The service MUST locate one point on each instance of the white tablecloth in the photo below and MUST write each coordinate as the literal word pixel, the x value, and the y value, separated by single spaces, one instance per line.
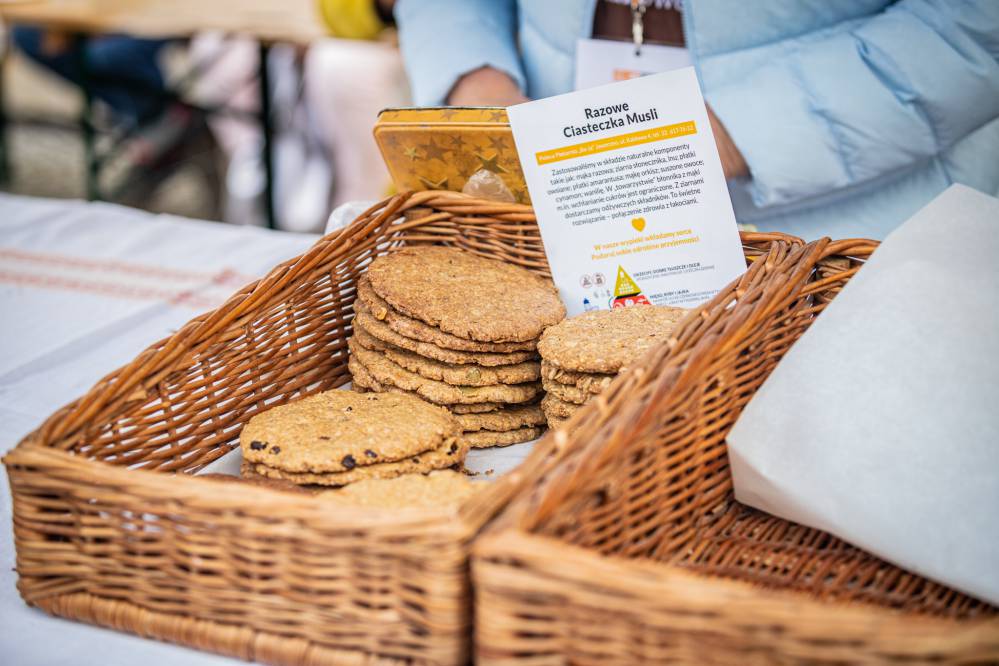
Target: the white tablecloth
pixel 83 289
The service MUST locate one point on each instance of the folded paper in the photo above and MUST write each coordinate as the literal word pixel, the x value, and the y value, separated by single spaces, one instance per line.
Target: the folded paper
pixel 881 424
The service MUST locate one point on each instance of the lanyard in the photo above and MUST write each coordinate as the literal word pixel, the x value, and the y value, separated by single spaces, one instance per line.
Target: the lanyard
pixel 638 24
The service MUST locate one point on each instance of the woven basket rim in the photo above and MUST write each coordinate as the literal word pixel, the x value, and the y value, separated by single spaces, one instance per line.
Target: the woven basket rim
pixel 645 579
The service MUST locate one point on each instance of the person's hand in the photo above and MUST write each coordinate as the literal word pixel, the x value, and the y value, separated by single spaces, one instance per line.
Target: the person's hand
pixel 485 87
pixel 733 163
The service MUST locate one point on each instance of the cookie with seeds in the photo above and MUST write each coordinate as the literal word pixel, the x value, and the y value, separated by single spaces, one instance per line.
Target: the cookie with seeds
pixel 338 431
pixel 444 488
pixel 418 330
pixel 387 373
pixel 553 406
pixel 451 453
pixel 604 341
pixel 467 295
pixel 555 422
pixel 364 320
pixel 364 382
pixel 458 375
pixel 484 439
pixel 593 382
pixel 566 393
pixel 503 420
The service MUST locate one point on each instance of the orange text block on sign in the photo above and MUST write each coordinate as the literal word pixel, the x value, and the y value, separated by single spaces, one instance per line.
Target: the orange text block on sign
pixel 614 142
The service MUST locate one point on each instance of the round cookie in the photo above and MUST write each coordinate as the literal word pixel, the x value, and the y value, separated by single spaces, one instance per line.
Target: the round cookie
pixel 437 489
pixel 453 452
pixel 553 406
pixel 337 431
pixel 418 330
pixel 387 373
pixel 459 375
pixel 486 438
pixel 502 420
pixel 363 319
pixel 467 295
pixel 586 381
pixel 566 393
pixel 363 382
pixel 606 340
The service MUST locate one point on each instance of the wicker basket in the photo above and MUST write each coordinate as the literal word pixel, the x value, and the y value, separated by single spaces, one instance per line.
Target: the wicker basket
pixel 112 528
pixel 634 550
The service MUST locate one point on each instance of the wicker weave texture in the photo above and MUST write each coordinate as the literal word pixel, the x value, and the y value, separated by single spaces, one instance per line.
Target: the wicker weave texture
pixel 112 528
pixel 634 550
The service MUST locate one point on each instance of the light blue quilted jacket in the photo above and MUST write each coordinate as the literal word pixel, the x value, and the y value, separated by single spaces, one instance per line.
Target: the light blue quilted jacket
pixel 852 114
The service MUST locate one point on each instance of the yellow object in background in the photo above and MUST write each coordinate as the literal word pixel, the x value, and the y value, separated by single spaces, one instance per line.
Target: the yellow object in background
pixel 351 19
pixel 440 148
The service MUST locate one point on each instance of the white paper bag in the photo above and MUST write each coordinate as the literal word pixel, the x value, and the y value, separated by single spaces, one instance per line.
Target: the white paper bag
pixel 881 424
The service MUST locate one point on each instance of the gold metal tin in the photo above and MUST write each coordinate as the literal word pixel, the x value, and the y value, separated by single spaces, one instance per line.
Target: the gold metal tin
pixel 438 148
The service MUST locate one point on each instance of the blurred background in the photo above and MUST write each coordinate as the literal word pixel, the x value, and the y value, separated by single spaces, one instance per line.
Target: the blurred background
pixel 159 105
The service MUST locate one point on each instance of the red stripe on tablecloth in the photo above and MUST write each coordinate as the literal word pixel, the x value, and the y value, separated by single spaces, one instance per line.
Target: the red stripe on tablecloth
pixel 173 297
pixel 225 276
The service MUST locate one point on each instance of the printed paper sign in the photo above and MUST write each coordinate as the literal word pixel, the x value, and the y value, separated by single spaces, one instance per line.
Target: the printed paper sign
pixel 629 192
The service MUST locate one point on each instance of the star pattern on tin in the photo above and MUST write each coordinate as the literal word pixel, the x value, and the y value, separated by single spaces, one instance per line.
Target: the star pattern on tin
pixel 448 114
pixel 498 116
pixel 431 185
pixel 457 143
pixel 491 163
pixel 433 151
pixel 411 153
pixel 498 143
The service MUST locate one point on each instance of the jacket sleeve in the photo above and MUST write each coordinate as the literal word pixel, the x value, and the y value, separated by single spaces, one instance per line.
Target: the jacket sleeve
pixel 839 108
pixel 441 40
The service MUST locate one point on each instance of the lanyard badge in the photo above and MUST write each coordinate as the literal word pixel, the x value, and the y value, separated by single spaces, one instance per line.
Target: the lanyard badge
pixel 638 24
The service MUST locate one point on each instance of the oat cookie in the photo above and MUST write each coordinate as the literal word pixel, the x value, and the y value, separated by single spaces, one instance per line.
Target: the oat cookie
pixel 436 489
pixel 467 295
pixel 364 320
pixel 486 438
pixel 554 422
pixel 553 406
pixel 337 431
pixel 566 393
pixel 606 340
pixel 418 330
pixel 388 373
pixel 259 481
pixel 459 375
pixel 363 382
pixel 595 383
pixel 453 452
pixel 502 420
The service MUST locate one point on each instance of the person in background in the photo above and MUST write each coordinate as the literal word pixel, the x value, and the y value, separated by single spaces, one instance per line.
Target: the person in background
pixel 325 151
pixel 348 80
pixel 124 74
pixel 831 118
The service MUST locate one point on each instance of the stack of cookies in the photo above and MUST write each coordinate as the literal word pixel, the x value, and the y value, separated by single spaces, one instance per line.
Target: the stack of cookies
pixel 582 355
pixel 341 437
pixel 457 330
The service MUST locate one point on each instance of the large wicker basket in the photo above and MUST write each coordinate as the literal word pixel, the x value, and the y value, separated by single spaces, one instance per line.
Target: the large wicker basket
pixel 112 528
pixel 634 550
